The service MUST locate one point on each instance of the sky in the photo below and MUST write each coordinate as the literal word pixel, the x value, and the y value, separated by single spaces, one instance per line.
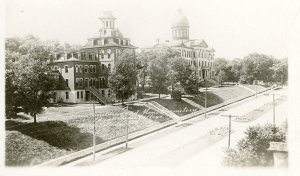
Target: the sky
pixel 234 28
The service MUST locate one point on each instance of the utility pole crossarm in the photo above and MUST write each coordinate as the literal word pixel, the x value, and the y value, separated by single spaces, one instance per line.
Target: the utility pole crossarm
pixel 229 126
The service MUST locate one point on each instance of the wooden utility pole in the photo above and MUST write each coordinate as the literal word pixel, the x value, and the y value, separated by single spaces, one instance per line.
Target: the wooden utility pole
pixel 273 94
pixel 127 126
pixel 274 109
pixel 229 126
pixel 205 102
pixel 256 91
pixel 94 133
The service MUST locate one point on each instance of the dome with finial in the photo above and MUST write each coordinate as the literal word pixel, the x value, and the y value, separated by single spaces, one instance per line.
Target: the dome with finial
pixel 180 20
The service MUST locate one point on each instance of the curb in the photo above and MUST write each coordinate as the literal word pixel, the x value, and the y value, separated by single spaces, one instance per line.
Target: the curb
pixel 100 147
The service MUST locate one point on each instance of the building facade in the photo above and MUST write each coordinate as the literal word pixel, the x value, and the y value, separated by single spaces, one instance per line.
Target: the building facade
pixel 199 55
pixel 83 73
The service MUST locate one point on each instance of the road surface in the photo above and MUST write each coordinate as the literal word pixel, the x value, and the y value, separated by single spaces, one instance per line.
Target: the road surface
pixel 187 145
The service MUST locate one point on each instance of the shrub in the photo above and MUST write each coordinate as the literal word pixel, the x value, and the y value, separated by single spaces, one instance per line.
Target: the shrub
pixel 176 95
pixel 252 150
pixel 140 95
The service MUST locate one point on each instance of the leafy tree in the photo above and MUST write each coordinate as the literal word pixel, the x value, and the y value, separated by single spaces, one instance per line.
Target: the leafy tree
pixel 257 66
pixel 236 69
pixel 280 69
pixel 180 71
pixel 27 80
pixel 33 46
pixel 158 60
pixel 252 150
pixel 158 75
pixel 124 76
pixel 33 85
pixel 222 76
pixel 220 63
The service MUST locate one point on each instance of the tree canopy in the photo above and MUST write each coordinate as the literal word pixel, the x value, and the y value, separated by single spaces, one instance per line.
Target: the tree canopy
pixel 28 82
pixel 252 150
pixel 123 78
pixel 166 68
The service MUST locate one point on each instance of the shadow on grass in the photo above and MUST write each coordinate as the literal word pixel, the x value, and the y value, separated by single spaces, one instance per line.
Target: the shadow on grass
pixel 62 104
pixel 212 99
pixel 56 133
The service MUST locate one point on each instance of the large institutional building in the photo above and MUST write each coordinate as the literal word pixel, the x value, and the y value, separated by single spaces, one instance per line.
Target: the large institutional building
pixel 195 51
pixel 83 73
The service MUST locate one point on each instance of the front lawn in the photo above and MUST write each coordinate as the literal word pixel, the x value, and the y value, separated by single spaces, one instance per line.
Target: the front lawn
pixel 67 134
pixel 212 99
pixel 180 108
pixel 22 150
pixel 149 113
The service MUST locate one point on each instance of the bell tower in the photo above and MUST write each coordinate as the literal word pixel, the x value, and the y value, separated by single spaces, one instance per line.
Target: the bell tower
pixel 107 24
pixel 180 27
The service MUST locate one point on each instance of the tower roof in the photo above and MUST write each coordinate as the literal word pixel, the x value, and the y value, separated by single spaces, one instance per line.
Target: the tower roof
pixel 180 20
pixel 107 15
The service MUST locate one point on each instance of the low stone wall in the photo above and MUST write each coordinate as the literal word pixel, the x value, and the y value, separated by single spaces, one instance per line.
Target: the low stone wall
pixel 86 152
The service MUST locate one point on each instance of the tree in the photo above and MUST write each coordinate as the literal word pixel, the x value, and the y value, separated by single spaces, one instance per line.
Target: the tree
pixel 180 71
pixel 257 67
pixel 252 150
pixel 158 75
pixel 27 75
pixel 159 68
pixel 280 69
pixel 222 76
pixel 124 75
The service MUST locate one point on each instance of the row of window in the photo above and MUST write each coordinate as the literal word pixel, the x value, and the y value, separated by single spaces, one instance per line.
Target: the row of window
pixel 110 41
pixel 86 56
pixel 184 53
pixel 91 68
pixel 180 33
pixel 191 54
pixel 202 63
pixel 79 94
pixel 90 82
pixel 108 24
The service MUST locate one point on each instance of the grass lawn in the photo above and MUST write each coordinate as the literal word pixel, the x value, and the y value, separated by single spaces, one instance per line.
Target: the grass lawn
pixel 22 150
pixel 230 92
pixel 67 133
pixel 212 99
pixel 253 87
pixel 219 95
pixel 180 108
pixel 149 113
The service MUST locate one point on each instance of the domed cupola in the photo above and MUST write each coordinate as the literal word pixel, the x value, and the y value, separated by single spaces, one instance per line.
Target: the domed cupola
pixel 180 26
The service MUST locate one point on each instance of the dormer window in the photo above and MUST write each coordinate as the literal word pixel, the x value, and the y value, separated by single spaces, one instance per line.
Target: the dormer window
pixel 95 42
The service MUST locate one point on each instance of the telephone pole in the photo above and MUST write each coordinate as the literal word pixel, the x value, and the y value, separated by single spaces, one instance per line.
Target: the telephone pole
pixel 94 133
pixel 229 126
pixel 273 95
pixel 127 124
pixel 205 102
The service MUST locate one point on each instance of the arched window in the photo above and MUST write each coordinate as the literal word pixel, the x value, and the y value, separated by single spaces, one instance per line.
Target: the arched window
pixel 94 68
pixel 109 67
pixel 80 70
pixel 76 69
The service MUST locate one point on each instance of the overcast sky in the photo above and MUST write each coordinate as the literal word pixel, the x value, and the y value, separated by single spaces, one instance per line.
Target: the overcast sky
pixel 234 28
